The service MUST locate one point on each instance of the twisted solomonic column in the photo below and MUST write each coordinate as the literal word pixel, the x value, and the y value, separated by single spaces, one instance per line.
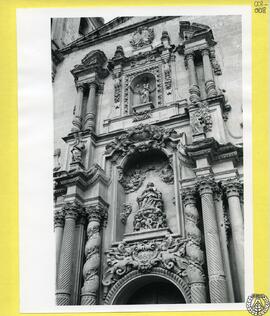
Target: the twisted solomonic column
pixel 210 86
pixel 63 287
pixel 232 189
pixel 96 216
pixel 217 280
pixel 194 89
pixel 193 248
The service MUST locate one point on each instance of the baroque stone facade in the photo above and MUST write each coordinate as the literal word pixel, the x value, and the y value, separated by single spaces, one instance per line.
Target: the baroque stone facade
pixel 148 180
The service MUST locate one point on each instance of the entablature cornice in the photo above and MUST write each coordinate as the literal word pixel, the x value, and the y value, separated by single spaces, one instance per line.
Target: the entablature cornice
pixel 212 150
pixel 97 36
pixel 81 178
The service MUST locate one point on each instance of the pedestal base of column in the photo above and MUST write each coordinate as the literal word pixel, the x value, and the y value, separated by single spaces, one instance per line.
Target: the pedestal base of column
pixel 77 124
pixel 62 298
pixel 198 137
pixel 90 122
pixel 88 299
pixel 76 166
pixel 195 95
pixel 198 293
pixel 218 289
pixel 210 88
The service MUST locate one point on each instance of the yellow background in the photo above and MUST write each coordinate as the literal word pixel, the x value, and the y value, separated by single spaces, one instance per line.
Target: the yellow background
pixel 9 260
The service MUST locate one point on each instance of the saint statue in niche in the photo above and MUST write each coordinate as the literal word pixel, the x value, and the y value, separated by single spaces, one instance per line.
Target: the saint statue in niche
pixel 150 197
pixel 150 214
pixel 143 90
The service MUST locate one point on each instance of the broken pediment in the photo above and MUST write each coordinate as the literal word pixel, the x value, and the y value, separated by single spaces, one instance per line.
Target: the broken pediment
pixel 93 62
pixel 190 32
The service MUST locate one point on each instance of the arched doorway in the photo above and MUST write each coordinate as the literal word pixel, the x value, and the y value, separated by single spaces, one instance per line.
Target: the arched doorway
pixel 156 287
pixel 156 292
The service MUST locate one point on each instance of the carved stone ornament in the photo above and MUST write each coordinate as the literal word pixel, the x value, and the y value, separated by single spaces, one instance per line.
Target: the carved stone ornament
pixel 142 116
pixel 215 65
pixel 117 88
pixel 132 181
pixel 59 218
pixel 201 119
pixel 167 73
pixel 143 256
pixel 56 156
pixel 166 174
pixel 97 213
pixel 227 107
pixel 227 223
pixel 77 150
pixel 141 138
pixel 72 209
pixel 142 37
pixel 126 210
pixel 151 213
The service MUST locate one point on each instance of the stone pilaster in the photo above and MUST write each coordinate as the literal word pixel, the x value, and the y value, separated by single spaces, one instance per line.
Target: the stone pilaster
pixel 224 242
pixel 210 86
pixel 77 112
pixel 96 216
pixel 217 280
pixel 194 89
pixel 91 108
pixel 233 188
pixel 193 248
pixel 63 290
pixel 59 222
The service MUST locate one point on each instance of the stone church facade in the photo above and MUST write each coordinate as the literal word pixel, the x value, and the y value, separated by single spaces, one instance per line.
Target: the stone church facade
pixel 148 163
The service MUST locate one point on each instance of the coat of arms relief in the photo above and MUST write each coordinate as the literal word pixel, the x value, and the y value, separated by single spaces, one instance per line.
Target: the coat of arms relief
pixel 142 37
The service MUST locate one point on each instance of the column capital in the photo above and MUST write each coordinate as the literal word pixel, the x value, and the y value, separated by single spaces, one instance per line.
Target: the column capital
pixel 189 55
pixel 72 209
pixel 218 193
pixel 205 51
pixel 93 84
pixel 59 219
pixel 232 187
pixel 80 86
pixel 189 196
pixel 96 213
pixel 206 185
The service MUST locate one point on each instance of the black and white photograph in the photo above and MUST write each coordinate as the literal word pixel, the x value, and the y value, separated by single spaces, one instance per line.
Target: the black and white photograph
pixel 151 144
pixel 148 155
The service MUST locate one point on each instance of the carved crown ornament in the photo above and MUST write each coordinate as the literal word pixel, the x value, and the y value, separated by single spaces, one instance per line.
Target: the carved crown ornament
pixel 141 138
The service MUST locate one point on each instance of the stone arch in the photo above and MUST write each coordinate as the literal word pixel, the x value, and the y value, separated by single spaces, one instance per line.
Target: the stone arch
pixel 125 160
pixel 120 286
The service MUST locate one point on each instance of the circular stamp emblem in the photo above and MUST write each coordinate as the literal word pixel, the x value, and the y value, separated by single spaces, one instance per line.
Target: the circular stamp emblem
pixel 257 304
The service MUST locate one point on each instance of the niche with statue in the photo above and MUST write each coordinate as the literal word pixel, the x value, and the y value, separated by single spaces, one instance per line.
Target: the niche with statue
pixel 147 182
pixel 143 93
